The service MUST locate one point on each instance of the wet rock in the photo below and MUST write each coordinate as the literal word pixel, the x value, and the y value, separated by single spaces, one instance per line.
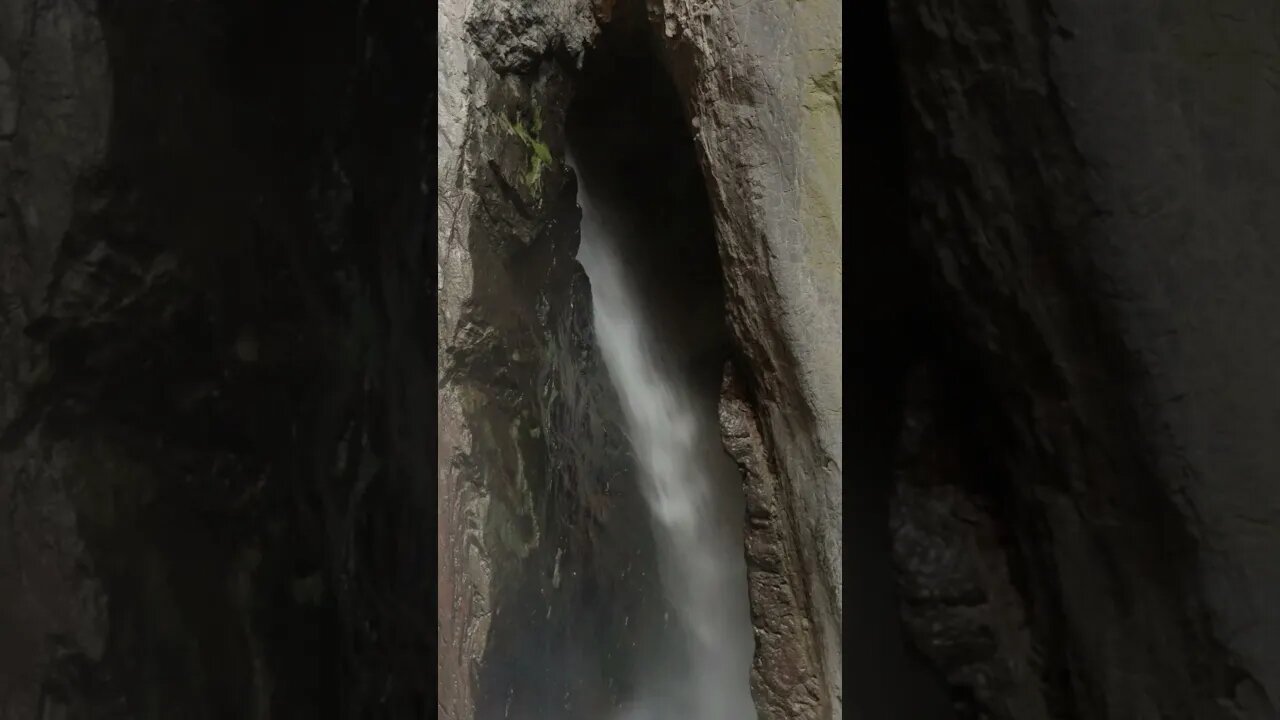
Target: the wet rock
pixel 545 566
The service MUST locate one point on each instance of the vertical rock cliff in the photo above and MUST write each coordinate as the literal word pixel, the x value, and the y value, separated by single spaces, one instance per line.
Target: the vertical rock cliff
pixel 764 118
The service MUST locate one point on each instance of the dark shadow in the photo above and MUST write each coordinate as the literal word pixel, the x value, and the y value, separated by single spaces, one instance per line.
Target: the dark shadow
pixel 891 324
pixel 632 145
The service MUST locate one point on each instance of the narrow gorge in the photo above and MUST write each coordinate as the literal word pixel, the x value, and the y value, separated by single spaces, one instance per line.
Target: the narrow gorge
pixel 653 536
pixel 648 248
pixel 625 247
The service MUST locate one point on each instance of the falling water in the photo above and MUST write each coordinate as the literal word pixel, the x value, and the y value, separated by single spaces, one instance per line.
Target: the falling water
pixel 693 493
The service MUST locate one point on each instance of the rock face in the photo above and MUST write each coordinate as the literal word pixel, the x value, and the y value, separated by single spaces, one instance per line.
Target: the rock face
pixel 214 380
pixel 1088 197
pixel 763 88
pixel 766 119
pixel 545 560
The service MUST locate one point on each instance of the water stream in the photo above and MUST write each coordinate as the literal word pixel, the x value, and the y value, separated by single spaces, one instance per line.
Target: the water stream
pixel 693 492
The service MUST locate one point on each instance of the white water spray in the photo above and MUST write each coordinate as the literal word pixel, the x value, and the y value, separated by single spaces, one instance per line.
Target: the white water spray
pixel 694 496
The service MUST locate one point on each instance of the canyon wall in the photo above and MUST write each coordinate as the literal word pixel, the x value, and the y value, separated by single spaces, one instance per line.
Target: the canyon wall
pixel 760 86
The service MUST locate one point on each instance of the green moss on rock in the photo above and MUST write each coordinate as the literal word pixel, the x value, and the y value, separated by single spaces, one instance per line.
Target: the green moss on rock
pixel 540 154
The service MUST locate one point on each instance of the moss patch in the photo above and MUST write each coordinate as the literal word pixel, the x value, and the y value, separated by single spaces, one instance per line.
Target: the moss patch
pixel 540 154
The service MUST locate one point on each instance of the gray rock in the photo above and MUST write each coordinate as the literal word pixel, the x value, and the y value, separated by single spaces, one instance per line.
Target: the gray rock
pixel 514 35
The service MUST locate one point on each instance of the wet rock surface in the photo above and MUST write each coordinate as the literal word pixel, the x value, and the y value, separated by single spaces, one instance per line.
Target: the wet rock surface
pixel 565 535
pixel 551 585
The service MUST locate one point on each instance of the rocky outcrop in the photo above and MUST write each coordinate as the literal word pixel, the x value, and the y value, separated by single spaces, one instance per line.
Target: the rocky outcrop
pixel 763 87
pixel 786 672
pixel 959 575
pixel 545 555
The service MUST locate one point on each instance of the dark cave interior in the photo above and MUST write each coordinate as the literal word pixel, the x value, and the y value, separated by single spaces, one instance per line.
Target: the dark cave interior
pixel 631 141
pixel 578 618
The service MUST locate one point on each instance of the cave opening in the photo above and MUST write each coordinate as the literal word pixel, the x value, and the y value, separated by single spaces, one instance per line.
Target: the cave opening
pixel 648 248
pixel 632 144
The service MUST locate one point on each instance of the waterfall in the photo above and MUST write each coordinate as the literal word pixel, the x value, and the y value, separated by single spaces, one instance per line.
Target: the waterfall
pixel 692 490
